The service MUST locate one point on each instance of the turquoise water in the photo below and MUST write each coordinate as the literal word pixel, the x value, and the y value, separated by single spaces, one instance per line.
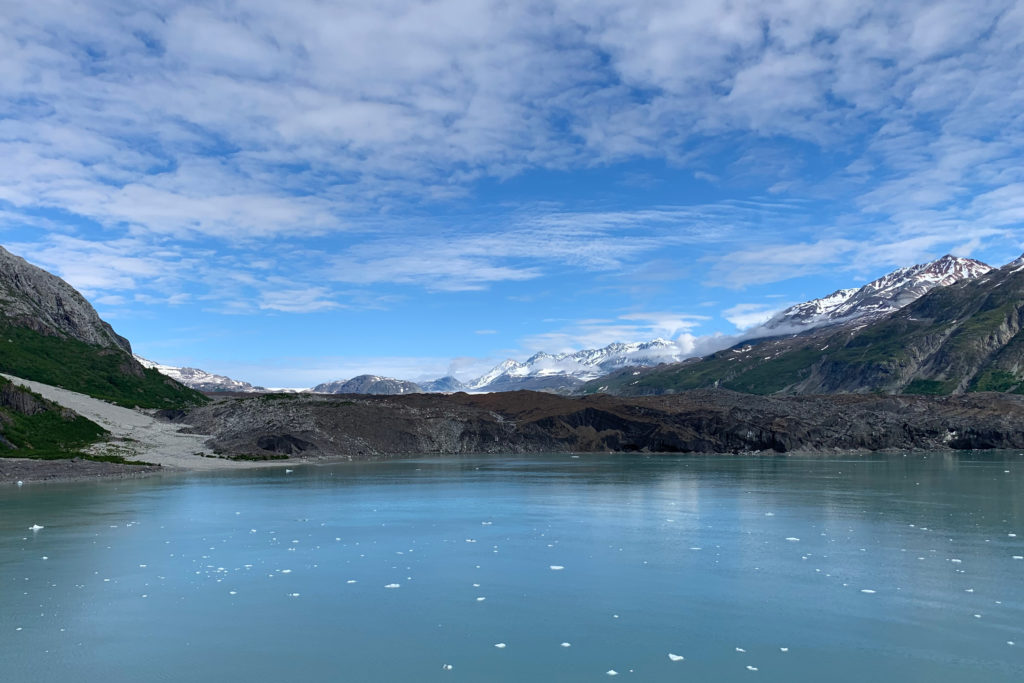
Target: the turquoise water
pixel 724 561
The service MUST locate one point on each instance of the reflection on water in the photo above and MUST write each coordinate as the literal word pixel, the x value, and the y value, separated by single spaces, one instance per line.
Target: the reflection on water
pixel 785 568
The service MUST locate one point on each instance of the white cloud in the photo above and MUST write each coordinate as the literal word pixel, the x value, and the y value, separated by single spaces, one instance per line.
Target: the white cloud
pixel 745 316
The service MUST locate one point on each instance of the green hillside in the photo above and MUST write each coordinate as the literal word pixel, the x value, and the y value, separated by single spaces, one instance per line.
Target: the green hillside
pixel 32 427
pixel 102 372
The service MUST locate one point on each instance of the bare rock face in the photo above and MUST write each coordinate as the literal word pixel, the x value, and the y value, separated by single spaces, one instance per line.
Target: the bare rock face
pixel 33 298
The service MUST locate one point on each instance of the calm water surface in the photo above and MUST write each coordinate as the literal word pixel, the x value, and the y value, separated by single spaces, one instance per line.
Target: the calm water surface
pixel 897 567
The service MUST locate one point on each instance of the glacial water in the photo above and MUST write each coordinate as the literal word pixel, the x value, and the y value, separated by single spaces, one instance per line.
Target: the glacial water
pixel 552 568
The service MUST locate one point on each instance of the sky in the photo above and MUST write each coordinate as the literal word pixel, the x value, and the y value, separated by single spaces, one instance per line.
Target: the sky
pixel 295 192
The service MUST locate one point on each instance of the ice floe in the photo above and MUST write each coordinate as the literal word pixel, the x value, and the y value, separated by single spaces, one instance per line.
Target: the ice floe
pixel 675 658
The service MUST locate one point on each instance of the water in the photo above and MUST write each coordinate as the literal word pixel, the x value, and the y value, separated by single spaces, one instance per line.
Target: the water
pixel 275 576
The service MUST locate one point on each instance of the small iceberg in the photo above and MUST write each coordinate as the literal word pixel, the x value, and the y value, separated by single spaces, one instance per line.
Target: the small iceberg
pixel 36 527
pixel 676 658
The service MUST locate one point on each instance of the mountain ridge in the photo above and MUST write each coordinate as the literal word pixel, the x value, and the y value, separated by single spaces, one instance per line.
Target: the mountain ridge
pixel 963 337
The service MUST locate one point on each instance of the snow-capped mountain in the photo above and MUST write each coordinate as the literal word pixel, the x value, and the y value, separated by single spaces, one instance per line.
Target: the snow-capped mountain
pixel 368 384
pixel 443 385
pixel 874 300
pixel 880 297
pixel 565 370
pixel 200 380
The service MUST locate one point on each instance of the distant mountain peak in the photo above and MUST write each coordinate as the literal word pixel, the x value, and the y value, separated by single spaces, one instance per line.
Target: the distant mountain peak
pixel 368 384
pixel 200 380
pixel 556 371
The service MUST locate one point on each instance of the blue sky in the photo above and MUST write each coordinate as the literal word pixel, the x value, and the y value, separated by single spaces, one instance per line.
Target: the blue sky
pixel 295 192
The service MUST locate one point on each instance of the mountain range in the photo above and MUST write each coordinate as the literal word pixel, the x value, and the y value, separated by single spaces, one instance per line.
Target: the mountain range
pixel 962 337
pixel 570 372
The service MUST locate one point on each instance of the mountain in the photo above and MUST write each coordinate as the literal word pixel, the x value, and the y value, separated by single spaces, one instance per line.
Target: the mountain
pixel 878 298
pixel 368 384
pixel 545 371
pixel 444 385
pixel 200 380
pixel 34 299
pixel 51 334
pixel 962 337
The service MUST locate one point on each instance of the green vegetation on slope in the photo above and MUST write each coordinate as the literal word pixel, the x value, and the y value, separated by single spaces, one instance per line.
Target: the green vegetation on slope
pixel 104 373
pixel 32 427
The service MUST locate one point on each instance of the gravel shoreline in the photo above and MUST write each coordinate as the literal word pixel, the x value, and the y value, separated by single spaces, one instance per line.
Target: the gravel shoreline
pixel 28 470
pixel 134 435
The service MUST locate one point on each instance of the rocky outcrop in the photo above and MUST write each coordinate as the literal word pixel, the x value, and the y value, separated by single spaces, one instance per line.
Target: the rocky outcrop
pixel 708 421
pixel 33 298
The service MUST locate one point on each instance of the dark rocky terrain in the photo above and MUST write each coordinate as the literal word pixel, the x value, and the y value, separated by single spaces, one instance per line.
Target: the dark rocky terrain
pixel 705 421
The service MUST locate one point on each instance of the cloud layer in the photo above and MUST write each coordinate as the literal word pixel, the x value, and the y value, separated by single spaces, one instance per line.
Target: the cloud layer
pixel 305 156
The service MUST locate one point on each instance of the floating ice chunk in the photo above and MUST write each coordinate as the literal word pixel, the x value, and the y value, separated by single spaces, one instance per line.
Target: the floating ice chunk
pixel 740 649
pixel 232 592
pixel 293 595
pixel 868 591
pixel 286 571
pixel 783 649
pixel 288 471
pixel 486 523
pixel 1018 557
pixel 955 560
pixel 393 585
pixel 351 581
pixel 36 527
pixel 566 644
pixel 556 567
pixel 500 646
pixel 769 514
pixel 446 667
pixel 19 483
pixel 676 658
pixel 792 539
pixel 481 599
pixel 751 668
pixel 696 548
pixel 612 672
pixel 1009 642
pixel 470 540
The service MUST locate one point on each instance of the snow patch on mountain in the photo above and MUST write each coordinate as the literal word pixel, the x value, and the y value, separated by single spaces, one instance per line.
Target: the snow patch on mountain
pixel 875 299
pixel 197 379
pixel 583 365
